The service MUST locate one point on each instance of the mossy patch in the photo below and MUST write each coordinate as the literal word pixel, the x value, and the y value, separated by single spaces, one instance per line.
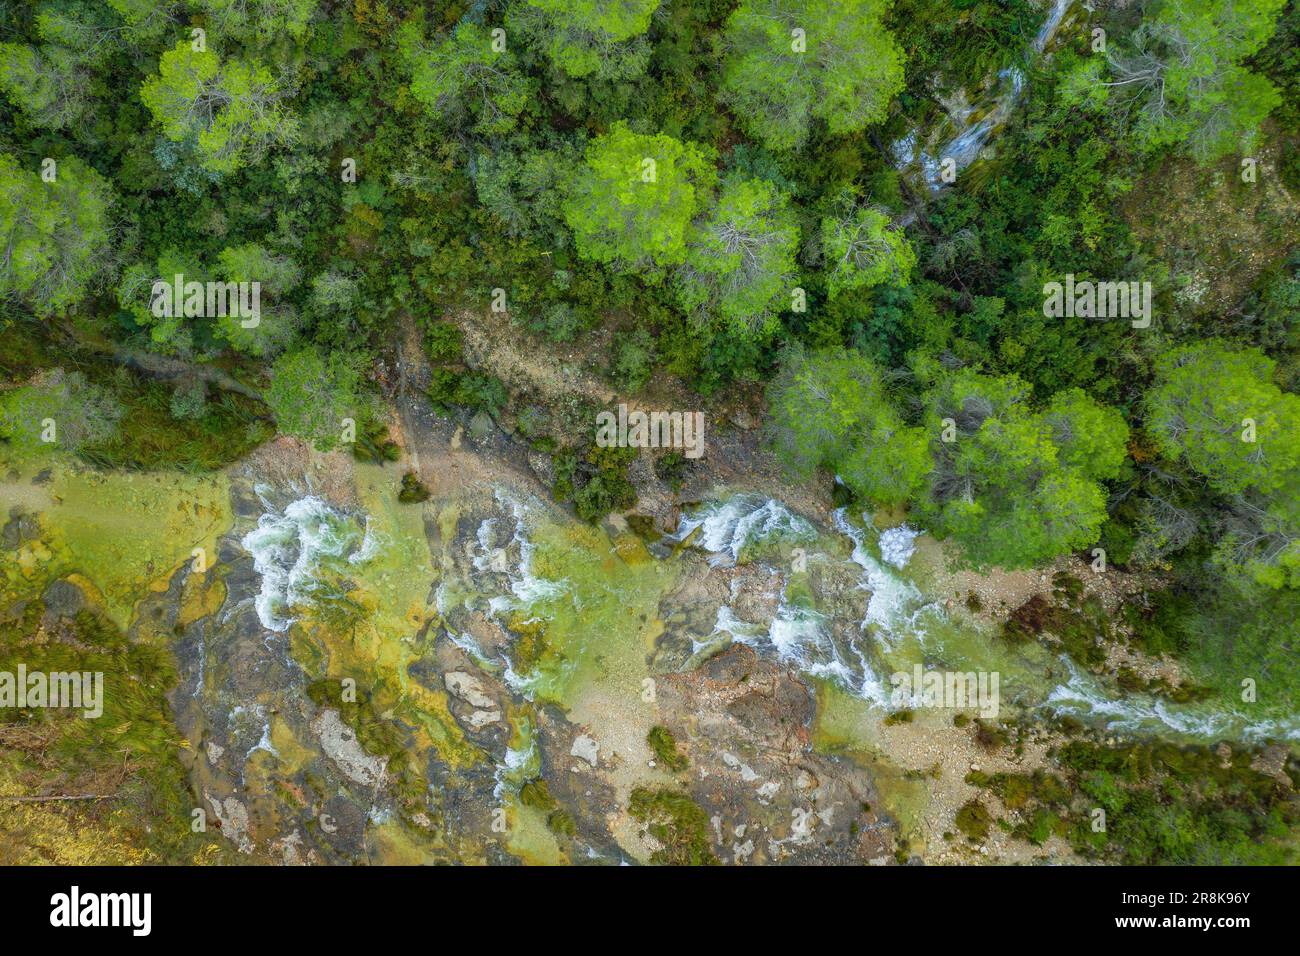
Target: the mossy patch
pixel 595 629
pixel 125 532
pixel 664 746
pixel 128 754
pixel 1080 630
pixel 385 632
pixel 973 820
pixel 678 823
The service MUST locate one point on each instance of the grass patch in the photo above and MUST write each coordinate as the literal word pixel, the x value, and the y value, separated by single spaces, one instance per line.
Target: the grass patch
pixel 664 746
pixel 676 821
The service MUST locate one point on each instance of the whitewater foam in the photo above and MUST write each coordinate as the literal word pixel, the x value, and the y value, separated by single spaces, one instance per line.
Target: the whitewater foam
pixel 288 549
pixel 728 527
pixel 897 545
pixel 526 587
pixel 1082 696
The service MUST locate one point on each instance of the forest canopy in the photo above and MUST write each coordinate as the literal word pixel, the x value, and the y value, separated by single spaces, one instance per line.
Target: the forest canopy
pixel 845 214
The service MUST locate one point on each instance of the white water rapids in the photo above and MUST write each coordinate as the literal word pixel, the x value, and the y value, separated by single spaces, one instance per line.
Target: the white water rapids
pixel 292 547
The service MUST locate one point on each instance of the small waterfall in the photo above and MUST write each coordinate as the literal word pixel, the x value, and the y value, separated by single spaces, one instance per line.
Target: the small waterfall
pixel 974 125
pixel 526 588
pixel 1082 696
pixel 897 545
pixel 290 547
pixel 798 635
pixel 727 528
pixel 895 601
pixel 900 619
pixel 519 764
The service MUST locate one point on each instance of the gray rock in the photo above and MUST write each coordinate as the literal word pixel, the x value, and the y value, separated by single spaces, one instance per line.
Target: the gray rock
pixel 585 748
pixel 340 745
pixel 468 688
pixel 543 467
pixel 63 599
pixel 482 718
pixel 481 426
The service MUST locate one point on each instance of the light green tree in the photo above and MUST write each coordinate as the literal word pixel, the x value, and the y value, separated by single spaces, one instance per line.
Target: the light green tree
pixel 52 82
pixel 829 409
pixel 584 37
pixel 740 261
pixel 231 112
pixel 54 235
pixel 633 201
pixel 311 395
pixel 1181 79
pixel 58 410
pixel 863 249
pixel 1088 436
pixel 464 74
pixel 1015 487
pixel 788 62
pixel 1216 408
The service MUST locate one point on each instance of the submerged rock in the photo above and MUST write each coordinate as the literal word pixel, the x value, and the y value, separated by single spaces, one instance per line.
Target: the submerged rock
pixel 63 598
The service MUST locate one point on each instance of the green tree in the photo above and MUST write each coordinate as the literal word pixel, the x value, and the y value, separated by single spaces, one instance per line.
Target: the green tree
pixel 633 200
pixel 1088 436
pixel 278 322
pixel 335 295
pixel 265 19
pixel 463 74
pixel 524 190
pixel 1015 487
pixel 147 20
pixel 169 333
pixel 49 83
pixel 1259 537
pixel 311 395
pixel 1181 80
pixel 863 249
pixel 88 29
pixel 55 235
pixel 230 112
pixel 583 37
pixel 830 410
pixel 741 259
pixel 1216 408
pixel 58 410
pixel 787 62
